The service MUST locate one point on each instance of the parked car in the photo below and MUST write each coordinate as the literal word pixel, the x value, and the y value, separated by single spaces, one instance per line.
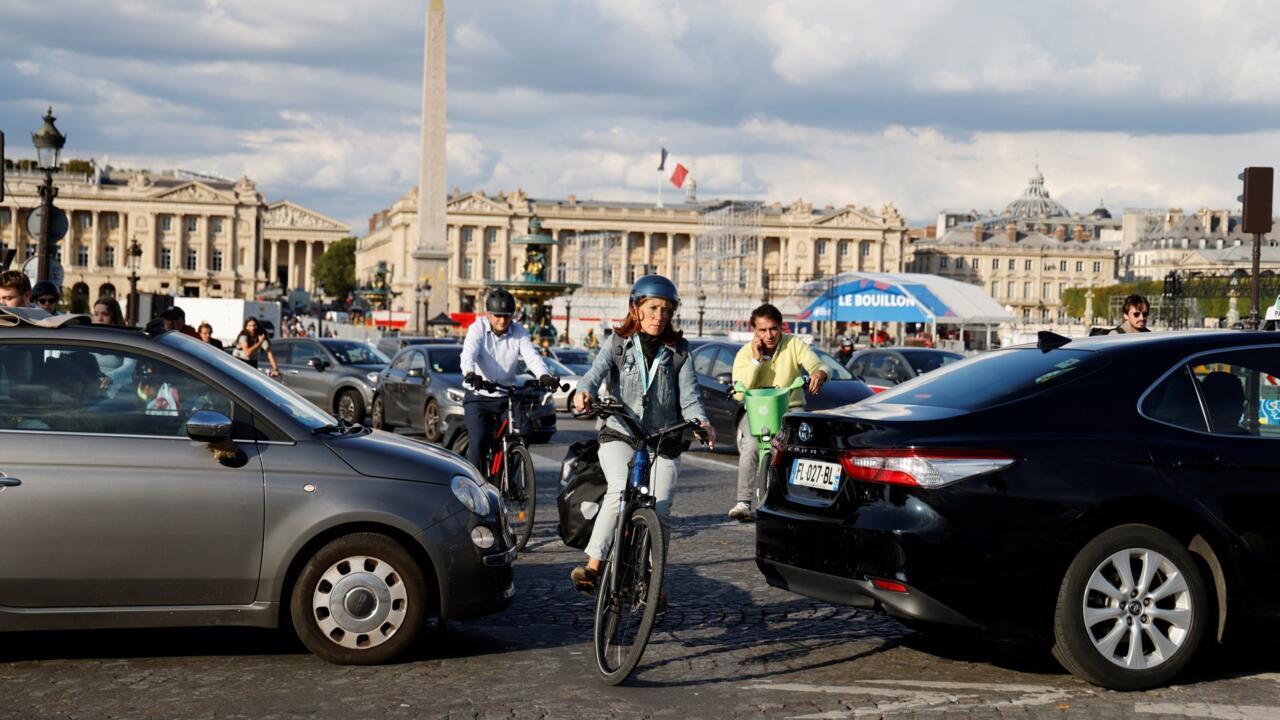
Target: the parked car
pixel 200 492
pixel 1116 495
pixel 422 390
pixel 389 345
pixel 713 364
pixel 337 375
pixel 883 368
pixel 577 360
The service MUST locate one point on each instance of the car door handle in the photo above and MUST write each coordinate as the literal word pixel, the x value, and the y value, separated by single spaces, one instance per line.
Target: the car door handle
pixel 6 481
pixel 293 372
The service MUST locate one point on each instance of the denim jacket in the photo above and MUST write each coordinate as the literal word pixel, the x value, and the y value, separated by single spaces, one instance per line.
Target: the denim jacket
pixel 667 400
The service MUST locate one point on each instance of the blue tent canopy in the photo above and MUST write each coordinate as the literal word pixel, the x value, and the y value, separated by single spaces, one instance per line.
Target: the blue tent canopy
pixel 898 297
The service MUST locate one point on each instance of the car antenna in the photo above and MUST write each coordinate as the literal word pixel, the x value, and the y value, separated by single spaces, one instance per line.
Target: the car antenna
pixel 1046 341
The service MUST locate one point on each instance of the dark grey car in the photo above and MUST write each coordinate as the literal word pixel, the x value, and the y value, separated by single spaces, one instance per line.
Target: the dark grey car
pixel 883 368
pixel 337 375
pixel 157 482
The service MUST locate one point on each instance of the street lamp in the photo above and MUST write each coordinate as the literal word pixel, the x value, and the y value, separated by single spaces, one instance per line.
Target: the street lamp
pixel 135 263
pixel 568 316
pixel 49 143
pixel 425 293
pixel 702 309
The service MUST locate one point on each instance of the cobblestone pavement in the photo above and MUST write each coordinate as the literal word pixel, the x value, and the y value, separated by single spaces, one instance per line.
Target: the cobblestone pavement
pixel 730 646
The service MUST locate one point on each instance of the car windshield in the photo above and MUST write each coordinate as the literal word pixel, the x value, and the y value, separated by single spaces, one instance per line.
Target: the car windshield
pixel 350 352
pixel 923 361
pixel 577 357
pixel 993 378
pixel 448 361
pixel 835 371
pixel 556 368
pixel 275 393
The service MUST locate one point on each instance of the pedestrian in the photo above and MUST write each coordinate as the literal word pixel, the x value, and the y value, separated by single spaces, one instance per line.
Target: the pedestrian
pixel 106 311
pixel 253 341
pixel 175 318
pixel 205 331
pixel 15 289
pixel 590 342
pixel 771 359
pixel 645 361
pixel 45 296
pixel 1136 310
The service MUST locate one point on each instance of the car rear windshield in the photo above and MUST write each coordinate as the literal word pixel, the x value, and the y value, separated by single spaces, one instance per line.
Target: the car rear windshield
pixel 994 378
pixel 355 353
pixel 447 361
pixel 835 370
pixel 923 361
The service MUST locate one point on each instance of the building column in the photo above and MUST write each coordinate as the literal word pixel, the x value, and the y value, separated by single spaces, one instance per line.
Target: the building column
pixel 648 250
pixel 671 254
pixel 455 250
pixel 306 272
pixel 625 261
pixel 292 281
pixel 504 254
pixel 555 263
pixel 760 243
pixel 94 260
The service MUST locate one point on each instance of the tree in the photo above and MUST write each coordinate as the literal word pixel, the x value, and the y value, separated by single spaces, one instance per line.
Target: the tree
pixel 335 269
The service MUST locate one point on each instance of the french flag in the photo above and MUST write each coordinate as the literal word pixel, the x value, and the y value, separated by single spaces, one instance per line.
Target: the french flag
pixel 678 172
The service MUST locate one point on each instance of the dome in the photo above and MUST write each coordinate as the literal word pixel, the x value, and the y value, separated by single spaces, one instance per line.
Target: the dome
pixel 1101 212
pixel 1035 201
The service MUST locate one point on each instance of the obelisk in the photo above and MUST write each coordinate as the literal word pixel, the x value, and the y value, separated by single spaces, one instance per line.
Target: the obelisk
pixel 432 251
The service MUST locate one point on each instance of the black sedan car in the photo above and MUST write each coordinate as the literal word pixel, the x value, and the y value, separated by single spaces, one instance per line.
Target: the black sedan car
pixel 1117 495
pixel 713 364
pixel 883 368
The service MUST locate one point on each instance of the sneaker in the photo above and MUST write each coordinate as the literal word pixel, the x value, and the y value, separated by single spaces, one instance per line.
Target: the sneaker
pixel 741 512
pixel 584 579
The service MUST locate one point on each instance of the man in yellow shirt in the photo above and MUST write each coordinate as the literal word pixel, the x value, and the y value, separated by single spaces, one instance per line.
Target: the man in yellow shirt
pixel 771 359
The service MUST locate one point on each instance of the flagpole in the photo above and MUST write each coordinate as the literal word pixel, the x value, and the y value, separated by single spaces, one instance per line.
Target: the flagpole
pixel 660 188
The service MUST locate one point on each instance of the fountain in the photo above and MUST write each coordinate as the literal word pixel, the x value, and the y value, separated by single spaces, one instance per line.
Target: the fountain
pixel 533 291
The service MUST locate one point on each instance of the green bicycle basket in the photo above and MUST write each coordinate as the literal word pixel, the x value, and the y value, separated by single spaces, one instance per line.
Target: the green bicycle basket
pixel 766 406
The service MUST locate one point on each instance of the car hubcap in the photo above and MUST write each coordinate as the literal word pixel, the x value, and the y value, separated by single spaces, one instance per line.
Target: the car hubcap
pixel 1137 608
pixel 433 419
pixel 360 602
pixel 347 408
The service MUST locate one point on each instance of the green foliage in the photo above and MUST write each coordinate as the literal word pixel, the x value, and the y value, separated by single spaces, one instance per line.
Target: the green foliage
pixel 335 269
pixel 77 167
pixel 1073 298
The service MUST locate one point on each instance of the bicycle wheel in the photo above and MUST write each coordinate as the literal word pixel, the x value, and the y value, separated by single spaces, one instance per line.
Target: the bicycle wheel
pixel 519 493
pixel 760 485
pixel 627 597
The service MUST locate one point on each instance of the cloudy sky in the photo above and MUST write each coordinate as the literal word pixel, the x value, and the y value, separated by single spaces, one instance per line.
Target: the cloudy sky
pixel 923 103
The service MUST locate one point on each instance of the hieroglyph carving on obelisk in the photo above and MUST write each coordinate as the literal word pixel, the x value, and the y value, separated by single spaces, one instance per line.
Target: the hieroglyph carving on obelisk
pixel 432 252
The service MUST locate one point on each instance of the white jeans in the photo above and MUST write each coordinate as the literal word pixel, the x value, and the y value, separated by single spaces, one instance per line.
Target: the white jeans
pixel 614 458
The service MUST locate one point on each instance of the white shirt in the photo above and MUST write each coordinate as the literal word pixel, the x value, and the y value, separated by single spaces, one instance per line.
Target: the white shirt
pixel 495 357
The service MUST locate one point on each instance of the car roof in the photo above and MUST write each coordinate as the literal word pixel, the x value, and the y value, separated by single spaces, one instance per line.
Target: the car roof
pixel 1175 341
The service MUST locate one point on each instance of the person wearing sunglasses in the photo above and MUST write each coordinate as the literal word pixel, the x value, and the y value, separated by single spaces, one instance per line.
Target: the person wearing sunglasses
pixel 494 346
pixel 1136 311
pixel 45 296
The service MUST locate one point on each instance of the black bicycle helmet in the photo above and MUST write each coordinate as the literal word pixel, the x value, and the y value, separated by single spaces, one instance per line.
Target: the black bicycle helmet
pixel 654 286
pixel 500 301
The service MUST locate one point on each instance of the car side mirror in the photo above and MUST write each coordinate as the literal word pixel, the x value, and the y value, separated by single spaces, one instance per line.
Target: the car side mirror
pixel 725 378
pixel 415 372
pixel 208 426
pixel 317 363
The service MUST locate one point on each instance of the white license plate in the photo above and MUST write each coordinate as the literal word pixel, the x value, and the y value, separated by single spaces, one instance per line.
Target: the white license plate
pixel 815 474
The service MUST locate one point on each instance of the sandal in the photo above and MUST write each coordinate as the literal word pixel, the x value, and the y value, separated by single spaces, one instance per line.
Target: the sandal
pixel 584 579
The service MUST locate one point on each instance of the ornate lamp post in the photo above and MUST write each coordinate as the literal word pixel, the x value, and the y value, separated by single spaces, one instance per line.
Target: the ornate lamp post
pixel 702 309
pixel 49 143
pixel 135 262
pixel 568 316
pixel 424 292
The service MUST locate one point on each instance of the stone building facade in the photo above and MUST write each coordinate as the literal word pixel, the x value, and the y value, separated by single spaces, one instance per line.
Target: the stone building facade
pixel 734 253
pixel 1207 241
pixel 200 236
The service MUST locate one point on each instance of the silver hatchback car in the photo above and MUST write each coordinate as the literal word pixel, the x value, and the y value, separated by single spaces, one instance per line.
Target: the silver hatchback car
pixel 157 482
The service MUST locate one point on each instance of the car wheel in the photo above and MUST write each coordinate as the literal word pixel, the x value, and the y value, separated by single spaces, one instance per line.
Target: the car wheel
pixel 431 421
pixel 461 443
pixel 350 406
pixel 360 600
pixel 379 414
pixel 1132 610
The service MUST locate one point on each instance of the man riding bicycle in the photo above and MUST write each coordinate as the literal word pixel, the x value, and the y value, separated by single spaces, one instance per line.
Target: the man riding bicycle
pixel 646 363
pixel 492 351
pixel 771 359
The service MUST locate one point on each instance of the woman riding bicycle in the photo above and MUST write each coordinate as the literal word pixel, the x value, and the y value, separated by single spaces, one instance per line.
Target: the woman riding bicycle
pixel 646 363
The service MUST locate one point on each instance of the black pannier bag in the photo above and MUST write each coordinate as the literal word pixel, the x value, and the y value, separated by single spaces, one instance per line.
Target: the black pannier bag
pixel 582 488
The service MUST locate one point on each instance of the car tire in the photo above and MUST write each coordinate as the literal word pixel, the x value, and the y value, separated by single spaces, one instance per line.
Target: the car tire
pixel 361 600
pixel 461 443
pixel 1130 584
pixel 379 413
pixel 431 421
pixel 349 406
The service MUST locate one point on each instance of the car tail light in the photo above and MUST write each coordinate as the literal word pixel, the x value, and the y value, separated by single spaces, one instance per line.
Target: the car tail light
pixel 775 458
pixel 889 585
pixel 921 467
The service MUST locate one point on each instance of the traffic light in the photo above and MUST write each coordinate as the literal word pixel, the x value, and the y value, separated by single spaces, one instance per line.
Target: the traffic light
pixel 1256 199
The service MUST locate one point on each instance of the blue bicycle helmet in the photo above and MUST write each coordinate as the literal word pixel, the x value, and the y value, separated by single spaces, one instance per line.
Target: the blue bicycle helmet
pixel 654 286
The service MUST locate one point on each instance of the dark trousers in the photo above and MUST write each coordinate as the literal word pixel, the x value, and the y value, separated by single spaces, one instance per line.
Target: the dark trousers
pixel 483 415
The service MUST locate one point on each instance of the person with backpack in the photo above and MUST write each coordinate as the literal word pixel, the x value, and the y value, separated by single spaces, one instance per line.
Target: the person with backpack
pixel 645 362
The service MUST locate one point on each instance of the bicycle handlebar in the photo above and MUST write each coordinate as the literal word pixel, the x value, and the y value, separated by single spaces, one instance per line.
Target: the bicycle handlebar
pixel 529 385
pixel 613 408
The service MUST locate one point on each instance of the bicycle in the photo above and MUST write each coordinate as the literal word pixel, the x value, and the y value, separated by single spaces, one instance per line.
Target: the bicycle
pixel 631 581
pixel 509 462
pixel 765 408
